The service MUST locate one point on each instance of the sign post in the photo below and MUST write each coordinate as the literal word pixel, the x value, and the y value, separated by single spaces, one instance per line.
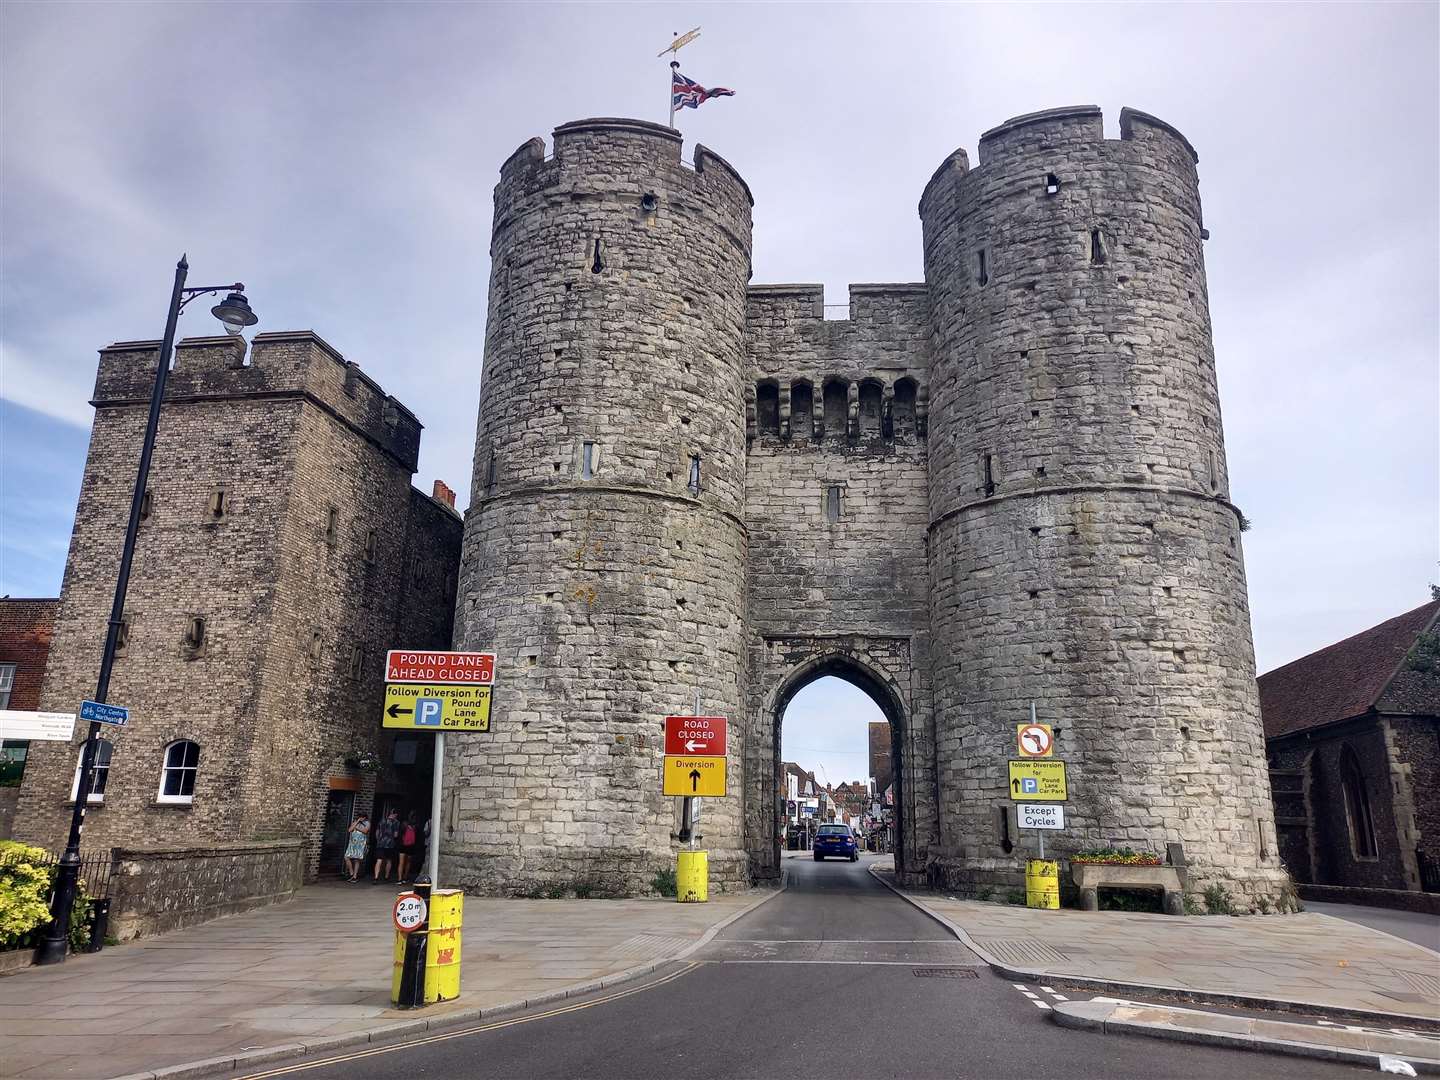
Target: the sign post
pixel 438 691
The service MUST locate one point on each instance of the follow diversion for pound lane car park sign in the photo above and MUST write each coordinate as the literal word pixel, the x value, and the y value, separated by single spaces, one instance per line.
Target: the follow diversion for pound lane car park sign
pixel 438 691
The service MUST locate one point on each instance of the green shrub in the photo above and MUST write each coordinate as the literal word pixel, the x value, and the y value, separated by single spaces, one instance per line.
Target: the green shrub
pixel 664 882
pixel 584 890
pixel 24 887
pixel 1131 900
pixel 1015 896
pixel 984 893
pixel 1217 900
pixel 1122 856
pixel 1192 906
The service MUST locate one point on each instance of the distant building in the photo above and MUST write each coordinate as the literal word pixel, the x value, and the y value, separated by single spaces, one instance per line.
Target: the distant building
pixel 25 630
pixel 281 552
pixel 1353 737
pixel 880 768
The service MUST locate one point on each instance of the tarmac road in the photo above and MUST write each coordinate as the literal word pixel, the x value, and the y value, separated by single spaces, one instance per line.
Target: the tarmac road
pixel 836 978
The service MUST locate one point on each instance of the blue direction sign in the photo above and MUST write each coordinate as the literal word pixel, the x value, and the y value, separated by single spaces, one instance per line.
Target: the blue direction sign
pixel 101 713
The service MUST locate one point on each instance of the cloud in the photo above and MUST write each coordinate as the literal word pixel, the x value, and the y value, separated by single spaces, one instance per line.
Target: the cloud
pixel 56 392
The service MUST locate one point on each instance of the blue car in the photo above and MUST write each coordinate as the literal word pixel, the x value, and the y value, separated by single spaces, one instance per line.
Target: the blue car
pixel 836 840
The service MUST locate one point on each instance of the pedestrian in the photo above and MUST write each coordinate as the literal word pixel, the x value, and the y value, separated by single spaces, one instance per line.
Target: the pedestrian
pixel 409 846
pixel 387 839
pixel 355 848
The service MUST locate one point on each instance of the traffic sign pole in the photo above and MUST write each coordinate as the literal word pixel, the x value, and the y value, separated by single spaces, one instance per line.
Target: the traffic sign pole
pixel 435 792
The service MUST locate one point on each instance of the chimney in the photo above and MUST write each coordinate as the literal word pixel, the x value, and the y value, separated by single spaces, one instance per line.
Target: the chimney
pixel 443 494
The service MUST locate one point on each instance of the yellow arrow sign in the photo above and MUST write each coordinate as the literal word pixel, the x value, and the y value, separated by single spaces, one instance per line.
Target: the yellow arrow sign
pixel 1040 780
pixel 425 707
pixel 695 776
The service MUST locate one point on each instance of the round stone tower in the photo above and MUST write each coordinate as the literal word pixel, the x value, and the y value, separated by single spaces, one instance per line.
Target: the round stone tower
pixel 1084 554
pixel 604 553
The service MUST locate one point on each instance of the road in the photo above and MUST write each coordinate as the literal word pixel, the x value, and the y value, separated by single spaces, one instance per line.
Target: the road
pixel 835 978
pixel 1412 926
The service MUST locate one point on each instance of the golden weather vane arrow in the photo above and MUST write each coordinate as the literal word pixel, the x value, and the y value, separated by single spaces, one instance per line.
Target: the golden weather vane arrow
pixel 674 47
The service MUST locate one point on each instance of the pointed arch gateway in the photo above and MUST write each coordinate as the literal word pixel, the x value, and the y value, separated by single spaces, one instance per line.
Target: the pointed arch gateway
pixel 882 670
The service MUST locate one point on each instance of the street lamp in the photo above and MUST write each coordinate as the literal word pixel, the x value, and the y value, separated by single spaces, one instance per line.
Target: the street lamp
pixel 234 311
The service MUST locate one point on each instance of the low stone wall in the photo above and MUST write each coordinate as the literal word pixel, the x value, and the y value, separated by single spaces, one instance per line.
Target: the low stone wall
pixel 154 890
pixel 1400 899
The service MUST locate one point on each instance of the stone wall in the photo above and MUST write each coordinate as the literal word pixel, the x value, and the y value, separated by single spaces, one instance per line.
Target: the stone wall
pixel 1083 552
pixel 155 890
pixel 604 548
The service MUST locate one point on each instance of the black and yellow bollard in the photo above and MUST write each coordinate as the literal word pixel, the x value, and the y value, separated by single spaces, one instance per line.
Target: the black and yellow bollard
pixel 407 981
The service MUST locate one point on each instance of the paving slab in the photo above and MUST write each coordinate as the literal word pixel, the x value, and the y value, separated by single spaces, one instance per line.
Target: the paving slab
pixel 1305 960
pixel 315 969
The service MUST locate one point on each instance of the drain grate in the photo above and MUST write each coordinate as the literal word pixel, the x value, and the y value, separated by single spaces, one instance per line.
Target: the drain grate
pixel 945 973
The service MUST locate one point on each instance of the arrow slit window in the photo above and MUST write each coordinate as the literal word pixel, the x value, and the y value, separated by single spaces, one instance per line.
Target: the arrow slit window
pixel 587 461
pixel 177 778
pixel 99 774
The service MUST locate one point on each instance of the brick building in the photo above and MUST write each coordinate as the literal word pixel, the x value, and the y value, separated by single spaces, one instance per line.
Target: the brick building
pixel 281 551
pixel 25 630
pixel 1353 737
pixel 879 758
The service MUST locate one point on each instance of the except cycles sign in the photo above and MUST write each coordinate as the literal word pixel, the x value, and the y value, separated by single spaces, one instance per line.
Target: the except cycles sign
pixel 703 735
pixel 409 913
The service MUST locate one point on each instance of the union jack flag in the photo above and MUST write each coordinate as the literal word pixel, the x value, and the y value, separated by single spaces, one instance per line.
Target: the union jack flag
pixel 688 94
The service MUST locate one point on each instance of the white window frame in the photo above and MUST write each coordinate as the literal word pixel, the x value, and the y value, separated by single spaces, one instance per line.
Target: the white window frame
pixel 166 768
pixel 7 683
pixel 96 797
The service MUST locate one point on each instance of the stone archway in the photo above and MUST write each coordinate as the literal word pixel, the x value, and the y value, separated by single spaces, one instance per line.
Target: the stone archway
pixel 882 668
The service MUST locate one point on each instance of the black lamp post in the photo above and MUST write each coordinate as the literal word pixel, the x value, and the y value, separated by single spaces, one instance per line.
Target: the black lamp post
pixel 234 311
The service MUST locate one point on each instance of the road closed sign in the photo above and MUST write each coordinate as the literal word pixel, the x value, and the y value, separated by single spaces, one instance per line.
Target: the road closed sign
pixel 691 735
pixel 1040 815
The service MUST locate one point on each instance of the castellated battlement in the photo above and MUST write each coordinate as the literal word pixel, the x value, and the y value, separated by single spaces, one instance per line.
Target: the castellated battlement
pixel 625 157
pixel 280 364
pixel 1074 138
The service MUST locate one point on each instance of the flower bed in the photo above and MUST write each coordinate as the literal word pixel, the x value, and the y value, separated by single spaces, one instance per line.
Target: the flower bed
pixel 1117 857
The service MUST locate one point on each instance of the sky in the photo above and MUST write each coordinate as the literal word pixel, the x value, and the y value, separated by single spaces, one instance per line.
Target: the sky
pixel 339 159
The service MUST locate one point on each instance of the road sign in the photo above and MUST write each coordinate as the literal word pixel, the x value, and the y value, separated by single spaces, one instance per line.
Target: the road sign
pixel 454 668
pixel 1041 815
pixel 442 707
pixel 101 713
pixel 685 775
pixel 37 726
pixel 1037 781
pixel 703 735
pixel 1034 740
pixel 409 912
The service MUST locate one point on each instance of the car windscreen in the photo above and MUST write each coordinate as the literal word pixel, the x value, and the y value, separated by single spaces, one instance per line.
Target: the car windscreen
pixel 834 830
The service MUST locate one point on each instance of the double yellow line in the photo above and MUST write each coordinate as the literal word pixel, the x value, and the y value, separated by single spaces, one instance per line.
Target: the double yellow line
pixel 410 1044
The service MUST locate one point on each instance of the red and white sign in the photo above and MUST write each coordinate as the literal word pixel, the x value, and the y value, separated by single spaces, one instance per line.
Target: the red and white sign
pixel 453 668
pixel 409 912
pixel 701 736
pixel 1034 740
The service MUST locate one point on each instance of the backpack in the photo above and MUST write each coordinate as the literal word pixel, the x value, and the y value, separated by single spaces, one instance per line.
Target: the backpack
pixel 408 839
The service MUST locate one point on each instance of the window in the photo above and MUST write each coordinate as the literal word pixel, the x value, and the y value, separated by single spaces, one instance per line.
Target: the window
pixel 836 404
pixel 1357 806
pixel 7 683
pixel 587 461
pixel 315 645
pixel 490 473
pixel 1097 246
pixel 1052 184
pixel 146 505
pixel 987 475
pixel 12 761
pixel 219 504
pixel 195 633
pixel 767 408
pixel 177 778
pixel 122 636
pixel 802 409
pixel 332 525
pixel 370 538
pixel 902 411
pixel 357 661
pixel 982 268
pixel 99 773
pixel 871 399
pixel 832 503
pixel 694 482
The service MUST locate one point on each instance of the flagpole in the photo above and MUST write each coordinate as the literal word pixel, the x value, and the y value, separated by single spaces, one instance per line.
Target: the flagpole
pixel 674 67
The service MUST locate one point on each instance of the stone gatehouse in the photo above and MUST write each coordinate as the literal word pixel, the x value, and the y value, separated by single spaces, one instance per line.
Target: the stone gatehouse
pixel 1005 484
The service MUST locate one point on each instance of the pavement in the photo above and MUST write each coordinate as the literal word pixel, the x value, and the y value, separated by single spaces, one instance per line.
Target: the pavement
pixel 314 972
pixel 1311 962
pixel 838 978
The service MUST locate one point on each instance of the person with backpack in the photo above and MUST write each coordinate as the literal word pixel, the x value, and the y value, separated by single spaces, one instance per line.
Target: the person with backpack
pixel 409 846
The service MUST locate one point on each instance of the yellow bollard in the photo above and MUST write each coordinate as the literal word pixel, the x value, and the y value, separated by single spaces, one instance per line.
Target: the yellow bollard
pixel 442 950
pixel 1042 884
pixel 692 877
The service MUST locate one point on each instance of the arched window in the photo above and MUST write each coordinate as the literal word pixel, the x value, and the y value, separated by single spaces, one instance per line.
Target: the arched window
pixel 903 409
pixel 767 408
pixel 837 407
pixel 177 778
pixel 1357 806
pixel 871 394
pixel 802 409
pixel 99 776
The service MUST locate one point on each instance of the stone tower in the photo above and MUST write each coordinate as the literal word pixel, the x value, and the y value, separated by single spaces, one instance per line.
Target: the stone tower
pixel 604 555
pixel 1083 552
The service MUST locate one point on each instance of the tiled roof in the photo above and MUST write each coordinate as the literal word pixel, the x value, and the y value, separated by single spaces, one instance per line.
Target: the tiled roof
pixel 1346 679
